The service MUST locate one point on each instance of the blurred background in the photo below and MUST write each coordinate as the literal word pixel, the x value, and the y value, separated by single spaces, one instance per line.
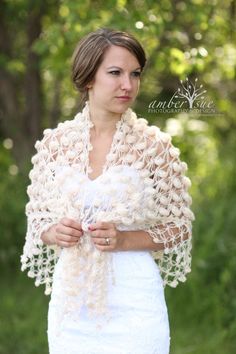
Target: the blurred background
pixel 193 39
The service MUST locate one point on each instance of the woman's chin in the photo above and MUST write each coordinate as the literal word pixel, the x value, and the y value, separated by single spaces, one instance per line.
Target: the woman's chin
pixel 115 107
pixel 121 107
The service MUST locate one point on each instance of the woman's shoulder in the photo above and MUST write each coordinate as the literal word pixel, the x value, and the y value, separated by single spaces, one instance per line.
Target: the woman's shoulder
pixel 150 132
pixel 155 140
pixel 65 126
pixel 62 130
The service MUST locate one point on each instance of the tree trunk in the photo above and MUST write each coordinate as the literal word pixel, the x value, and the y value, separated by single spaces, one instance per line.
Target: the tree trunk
pixel 21 100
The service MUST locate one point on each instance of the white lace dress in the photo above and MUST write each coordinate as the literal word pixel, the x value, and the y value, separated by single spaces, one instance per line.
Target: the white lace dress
pixel 138 319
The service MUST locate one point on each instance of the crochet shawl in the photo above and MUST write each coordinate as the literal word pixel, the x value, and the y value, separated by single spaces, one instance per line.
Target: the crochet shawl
pixel 157 202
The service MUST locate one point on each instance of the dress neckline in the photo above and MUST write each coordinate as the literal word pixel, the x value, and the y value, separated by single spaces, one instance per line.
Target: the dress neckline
pixel 117 137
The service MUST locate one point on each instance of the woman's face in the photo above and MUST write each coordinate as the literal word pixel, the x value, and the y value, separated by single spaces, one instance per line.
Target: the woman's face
pixel 116 82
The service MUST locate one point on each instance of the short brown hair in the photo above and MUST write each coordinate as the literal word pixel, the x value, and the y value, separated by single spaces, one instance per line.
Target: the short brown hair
pixel 89 53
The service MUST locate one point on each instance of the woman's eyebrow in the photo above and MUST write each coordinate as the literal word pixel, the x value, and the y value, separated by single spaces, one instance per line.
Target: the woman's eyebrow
pixel 117 67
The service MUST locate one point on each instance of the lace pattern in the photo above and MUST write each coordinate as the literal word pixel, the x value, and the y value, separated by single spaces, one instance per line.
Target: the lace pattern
pixel 161 189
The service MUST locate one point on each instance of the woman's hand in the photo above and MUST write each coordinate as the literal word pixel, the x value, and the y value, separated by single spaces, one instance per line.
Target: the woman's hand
pixel 105 236
pixel 66 233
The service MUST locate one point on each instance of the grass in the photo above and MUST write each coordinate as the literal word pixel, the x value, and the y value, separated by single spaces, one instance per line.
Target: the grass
pixel 23 312
pixel 196 328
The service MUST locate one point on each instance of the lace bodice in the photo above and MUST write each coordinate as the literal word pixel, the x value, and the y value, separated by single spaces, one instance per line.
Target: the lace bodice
pixel 95 199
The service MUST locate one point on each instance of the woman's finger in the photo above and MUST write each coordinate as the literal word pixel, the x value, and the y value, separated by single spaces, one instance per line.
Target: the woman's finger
pixel 101 225
pixel 110 233
pixel 66 240
pixel 71 223
pixel 67 244
pixel 65 230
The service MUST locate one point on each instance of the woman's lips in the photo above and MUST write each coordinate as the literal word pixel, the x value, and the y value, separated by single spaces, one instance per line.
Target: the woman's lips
pixel 124 98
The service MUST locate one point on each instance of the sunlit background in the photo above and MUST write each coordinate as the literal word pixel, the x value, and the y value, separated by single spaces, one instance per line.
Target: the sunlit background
pixel 193 39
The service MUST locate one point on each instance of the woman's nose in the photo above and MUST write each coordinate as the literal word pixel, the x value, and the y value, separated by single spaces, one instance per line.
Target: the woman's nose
pixel 126 83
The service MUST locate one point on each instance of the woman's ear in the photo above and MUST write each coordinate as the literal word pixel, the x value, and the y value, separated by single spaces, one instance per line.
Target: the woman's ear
pixel 90 85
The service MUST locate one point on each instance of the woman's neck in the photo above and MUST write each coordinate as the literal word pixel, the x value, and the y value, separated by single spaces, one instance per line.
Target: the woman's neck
pixel 103 120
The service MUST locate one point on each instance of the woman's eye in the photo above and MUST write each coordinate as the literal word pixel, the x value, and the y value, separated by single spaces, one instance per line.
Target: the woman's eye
pixel 136 73
pixel 117 72
pixel 114 72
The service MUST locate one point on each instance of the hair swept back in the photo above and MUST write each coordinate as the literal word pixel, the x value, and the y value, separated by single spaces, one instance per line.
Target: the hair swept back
pixel 90 50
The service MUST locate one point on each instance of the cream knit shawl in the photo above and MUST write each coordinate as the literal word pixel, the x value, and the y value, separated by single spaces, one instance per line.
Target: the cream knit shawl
pixel 160 204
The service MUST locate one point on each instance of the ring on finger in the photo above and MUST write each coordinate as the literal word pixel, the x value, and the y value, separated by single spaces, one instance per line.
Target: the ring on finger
pixel 107 241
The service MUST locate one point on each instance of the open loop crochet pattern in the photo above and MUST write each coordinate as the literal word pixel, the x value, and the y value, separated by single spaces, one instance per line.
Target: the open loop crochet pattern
pixel 156 200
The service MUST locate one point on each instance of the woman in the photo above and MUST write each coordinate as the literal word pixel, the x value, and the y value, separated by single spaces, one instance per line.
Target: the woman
pixel 108 197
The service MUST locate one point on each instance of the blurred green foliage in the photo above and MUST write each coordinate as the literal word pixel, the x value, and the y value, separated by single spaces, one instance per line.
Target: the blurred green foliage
pixel 194 39
pixel 12 220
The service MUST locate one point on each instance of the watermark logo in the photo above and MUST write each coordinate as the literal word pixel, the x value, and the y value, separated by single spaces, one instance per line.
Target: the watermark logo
pixel 190 97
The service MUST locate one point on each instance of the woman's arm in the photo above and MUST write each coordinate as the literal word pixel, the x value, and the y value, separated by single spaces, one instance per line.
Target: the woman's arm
pixel 141 240
pixel 137 241
pixel 131 240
